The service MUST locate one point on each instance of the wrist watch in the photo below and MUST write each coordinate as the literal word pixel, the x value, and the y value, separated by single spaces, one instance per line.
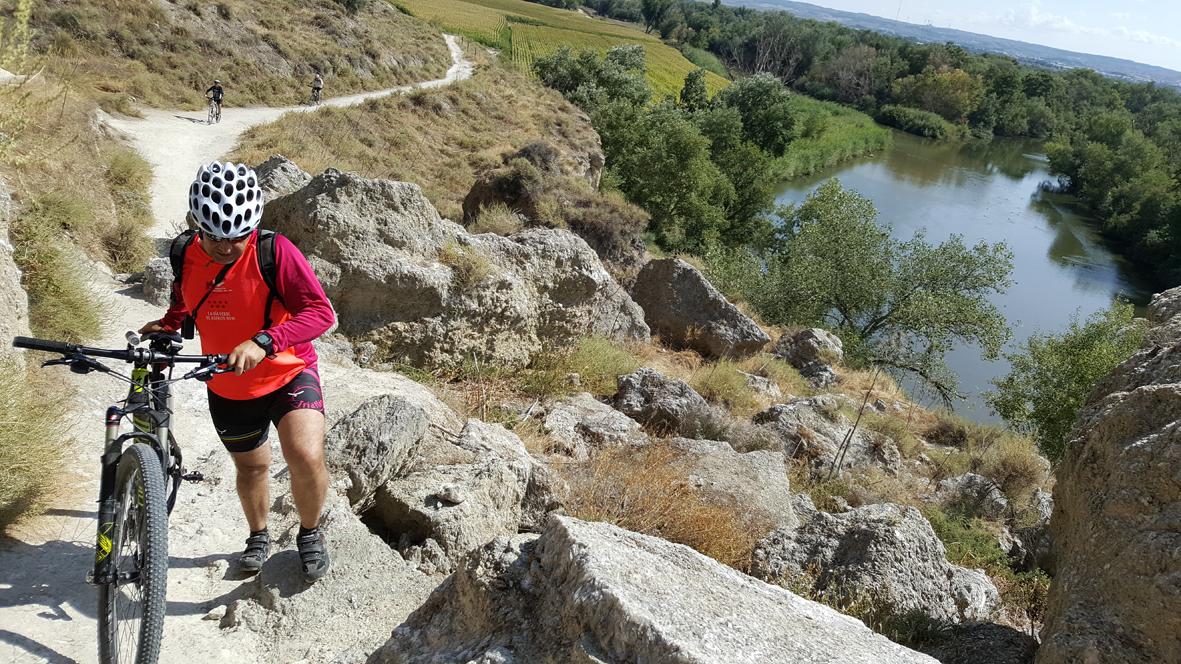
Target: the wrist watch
pixel 265 342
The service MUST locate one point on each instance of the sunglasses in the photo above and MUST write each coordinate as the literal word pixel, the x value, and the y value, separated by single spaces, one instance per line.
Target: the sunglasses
pixel 219 240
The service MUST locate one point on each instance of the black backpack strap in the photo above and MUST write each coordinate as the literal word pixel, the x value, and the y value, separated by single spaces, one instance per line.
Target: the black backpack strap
pixel 269 269
pixel 176 253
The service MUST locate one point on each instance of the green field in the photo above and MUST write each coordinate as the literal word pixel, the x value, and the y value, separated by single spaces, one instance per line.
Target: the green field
pixel 524 31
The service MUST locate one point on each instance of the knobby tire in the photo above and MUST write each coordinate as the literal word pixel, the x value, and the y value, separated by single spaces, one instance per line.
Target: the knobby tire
pixel 131 615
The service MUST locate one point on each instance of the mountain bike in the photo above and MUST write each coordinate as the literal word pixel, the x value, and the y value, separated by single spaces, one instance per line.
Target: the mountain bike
pixel 315 98
pixel 142 470
pixel 214 112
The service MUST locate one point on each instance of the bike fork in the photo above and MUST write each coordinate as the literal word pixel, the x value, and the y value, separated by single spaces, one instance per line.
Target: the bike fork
pixel 107 505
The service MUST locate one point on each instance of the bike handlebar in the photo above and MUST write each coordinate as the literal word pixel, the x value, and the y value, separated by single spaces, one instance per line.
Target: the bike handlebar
pixel 129 354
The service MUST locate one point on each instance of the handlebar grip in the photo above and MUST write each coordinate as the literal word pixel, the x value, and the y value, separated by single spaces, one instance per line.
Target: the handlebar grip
pixel 44 344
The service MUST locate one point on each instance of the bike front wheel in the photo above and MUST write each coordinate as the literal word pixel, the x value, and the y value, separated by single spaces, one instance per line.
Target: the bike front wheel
pixel 131 609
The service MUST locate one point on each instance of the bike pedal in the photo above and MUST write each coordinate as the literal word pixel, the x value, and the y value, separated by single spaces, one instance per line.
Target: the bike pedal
pixel 193 477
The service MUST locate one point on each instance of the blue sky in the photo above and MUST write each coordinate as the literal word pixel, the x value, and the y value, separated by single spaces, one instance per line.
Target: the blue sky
pixel 1142 30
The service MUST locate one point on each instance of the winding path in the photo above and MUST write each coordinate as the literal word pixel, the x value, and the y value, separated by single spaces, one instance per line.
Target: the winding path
pixel 47 612
pixel 176 143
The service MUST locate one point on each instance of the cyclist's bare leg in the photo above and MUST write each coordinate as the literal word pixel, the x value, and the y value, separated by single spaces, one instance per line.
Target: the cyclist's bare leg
pixel 301 435
pixel 254 484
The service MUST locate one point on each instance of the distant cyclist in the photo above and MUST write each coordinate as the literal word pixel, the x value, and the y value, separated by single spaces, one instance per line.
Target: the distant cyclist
pixel 215 93
pixel 317 88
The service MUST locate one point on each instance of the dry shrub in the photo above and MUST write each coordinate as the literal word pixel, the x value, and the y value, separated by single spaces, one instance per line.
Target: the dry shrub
pixel 1015 465
pixel 723 384
pixel 645 490
pixel 1009 459
pixel 33 442
pixel 497 218
pixel 856 382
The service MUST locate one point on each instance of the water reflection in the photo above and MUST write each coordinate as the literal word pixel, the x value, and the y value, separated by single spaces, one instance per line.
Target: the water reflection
pixel 992 192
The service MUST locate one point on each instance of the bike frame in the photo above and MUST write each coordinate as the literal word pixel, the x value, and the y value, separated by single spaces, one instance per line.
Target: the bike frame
pixel 158 411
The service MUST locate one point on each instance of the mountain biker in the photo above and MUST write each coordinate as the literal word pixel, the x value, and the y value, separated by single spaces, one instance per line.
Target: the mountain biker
pixel 275 379
pixel 317 88
pixel 216 93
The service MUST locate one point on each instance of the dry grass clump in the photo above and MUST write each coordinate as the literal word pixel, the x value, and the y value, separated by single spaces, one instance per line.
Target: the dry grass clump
pixel 722 383
pixel 497 218
pixel 1009 459
pixel 782 373
pixel 33 445
pixel 60 305
pixel 468 267
pixel 165 54
pixel 441 139
pixel 897 429
pixel 598 362
pixel 645 490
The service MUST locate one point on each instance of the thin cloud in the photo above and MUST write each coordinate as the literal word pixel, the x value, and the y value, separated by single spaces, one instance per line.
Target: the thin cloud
pixel 1033 16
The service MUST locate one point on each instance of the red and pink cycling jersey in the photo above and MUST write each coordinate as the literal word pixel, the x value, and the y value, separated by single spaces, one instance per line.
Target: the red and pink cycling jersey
pixel 233 313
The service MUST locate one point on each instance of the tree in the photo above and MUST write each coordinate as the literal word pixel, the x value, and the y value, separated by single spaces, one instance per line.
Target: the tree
pixel 654 13
pixel 694 95
pixel 1052 375
pixel 591 80
pixel 897 304
pixel 952 93
pixel 764 103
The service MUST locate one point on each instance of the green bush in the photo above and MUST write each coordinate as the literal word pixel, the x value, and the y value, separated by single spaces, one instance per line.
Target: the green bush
pixel 915 121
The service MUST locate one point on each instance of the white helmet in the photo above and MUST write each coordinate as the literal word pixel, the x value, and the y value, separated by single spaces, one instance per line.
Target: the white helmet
pixel 226 200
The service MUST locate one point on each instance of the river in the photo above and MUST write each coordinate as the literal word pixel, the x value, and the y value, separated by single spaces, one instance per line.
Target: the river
pixel 989 191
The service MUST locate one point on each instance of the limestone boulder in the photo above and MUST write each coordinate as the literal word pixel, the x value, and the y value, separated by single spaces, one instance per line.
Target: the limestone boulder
pixel 1116 522
pixel 755 482
pixel 813 352
pixel 14 303
pixel 592 592
pixel 582 424
pixel 686 311
pixel 377 442
pixel 887 552
pixel 428 293
pixel 659 402
pixel 1037 544
pixel 157 281
pixel 815 429
pixel 279 176
pixel 443 510
pixel 974 494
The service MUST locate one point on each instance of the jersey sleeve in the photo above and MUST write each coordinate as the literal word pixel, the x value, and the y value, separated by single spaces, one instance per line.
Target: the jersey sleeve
pixel 176 310
pixel 311 312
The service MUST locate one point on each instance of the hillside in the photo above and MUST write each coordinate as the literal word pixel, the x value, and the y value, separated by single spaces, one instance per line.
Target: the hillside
pixel 166 53
pixel 524 31
pixel 440 139
pixel 1024 52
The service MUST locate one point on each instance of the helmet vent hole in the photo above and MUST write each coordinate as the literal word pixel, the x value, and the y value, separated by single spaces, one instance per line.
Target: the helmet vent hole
pixel 205 190
pixel 250 194
pixel 214 216
pixel 225 226
pixel 229 189
pixel 227 210
pixel 240 185
pixel 250 182
pixel 217 182
pixel 229 175
pixel 216 168
pixel 241 169
pixel 237 219
pixel 216 197
pixel 249 213
pixel 205 176
pixel 239 199
pixel 205 211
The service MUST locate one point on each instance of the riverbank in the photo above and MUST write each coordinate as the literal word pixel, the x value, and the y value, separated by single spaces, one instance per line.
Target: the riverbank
pixel 847 134
pixel 989 192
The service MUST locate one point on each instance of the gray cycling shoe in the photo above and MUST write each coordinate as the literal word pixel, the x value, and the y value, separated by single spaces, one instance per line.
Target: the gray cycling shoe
pixel 313 554
pixel 258 545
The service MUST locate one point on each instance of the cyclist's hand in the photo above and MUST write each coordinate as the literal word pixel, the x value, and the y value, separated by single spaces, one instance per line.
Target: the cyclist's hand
pixel 246 356
pixel 151 327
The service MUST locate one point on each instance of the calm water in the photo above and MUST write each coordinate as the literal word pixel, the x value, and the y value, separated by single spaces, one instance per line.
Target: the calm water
pixel 990 192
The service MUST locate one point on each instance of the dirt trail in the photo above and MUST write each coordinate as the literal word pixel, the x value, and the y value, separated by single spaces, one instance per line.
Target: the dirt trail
pixel 47 612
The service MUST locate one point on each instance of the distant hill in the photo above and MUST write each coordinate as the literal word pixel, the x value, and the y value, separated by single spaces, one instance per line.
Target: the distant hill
pixel 1033 54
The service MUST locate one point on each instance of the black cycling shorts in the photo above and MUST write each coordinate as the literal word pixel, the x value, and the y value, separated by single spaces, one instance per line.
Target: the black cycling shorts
pixel 243 424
